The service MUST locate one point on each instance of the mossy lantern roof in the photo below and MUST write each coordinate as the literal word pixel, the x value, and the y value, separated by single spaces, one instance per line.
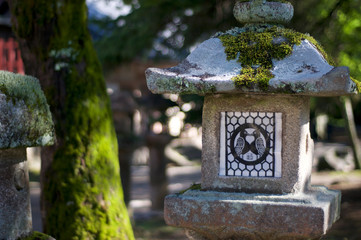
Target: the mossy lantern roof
pixel 25 118
pixel 260 57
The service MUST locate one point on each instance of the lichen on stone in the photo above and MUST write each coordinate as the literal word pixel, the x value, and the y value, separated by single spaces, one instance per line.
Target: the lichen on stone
pixel 184 86
pixel 256 46
pixel 358 84
pixel 64 57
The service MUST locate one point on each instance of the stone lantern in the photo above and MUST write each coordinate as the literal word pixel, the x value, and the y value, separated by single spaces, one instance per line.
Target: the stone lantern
pixel 25 121
pixel 257 151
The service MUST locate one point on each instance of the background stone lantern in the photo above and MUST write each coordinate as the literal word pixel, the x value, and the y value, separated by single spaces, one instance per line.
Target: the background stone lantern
pixel 257 151
pixel 25 121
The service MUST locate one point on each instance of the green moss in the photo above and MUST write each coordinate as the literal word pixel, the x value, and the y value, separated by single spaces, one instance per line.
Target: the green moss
pixel 250 77
pixel 19 87
pixel 358 84
pixel 256 46
pixel 38 128
pixel 195 186
pixel 36 236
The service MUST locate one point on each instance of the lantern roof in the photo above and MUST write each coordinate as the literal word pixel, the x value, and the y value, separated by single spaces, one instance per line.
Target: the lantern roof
pixel 261 57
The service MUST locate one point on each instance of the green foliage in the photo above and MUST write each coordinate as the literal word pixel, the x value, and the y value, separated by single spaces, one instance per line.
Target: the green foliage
pixel 163 29
pixel 82 188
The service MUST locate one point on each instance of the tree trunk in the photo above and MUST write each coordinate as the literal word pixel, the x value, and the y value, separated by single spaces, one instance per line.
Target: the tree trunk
pixel 81 191
pixel 351 129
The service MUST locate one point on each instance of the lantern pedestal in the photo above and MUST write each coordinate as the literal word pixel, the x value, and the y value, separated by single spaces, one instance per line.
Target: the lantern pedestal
pixel 221 215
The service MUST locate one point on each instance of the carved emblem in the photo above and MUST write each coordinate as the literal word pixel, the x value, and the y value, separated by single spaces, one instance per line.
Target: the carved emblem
pixel 250 144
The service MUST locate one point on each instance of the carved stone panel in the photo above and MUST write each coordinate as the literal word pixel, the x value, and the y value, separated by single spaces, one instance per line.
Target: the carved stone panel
pixel 250 144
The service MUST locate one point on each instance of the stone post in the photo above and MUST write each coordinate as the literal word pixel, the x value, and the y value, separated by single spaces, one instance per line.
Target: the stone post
pixel 257 151
pixel 25 121
pixel 157 168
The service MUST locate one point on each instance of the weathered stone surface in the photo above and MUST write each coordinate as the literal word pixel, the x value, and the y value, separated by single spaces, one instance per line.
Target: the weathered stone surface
pixel 297 146
pixel 259 11
pixel 15 213
pixel 207 70
pixel 9 157
pixel 25 118
pixel 219 215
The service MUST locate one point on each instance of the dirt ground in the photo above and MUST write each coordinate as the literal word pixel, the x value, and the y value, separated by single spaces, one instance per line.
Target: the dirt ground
pixel 349 225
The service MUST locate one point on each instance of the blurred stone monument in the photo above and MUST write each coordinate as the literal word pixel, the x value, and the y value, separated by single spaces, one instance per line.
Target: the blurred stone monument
pixel 25 121
pixel 257 150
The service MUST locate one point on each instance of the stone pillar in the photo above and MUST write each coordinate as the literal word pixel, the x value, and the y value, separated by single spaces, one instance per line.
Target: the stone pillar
pixel 157 165
pixel 25 121
pixel 15 213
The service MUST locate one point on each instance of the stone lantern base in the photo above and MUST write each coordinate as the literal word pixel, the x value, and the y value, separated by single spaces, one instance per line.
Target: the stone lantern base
pixel 221 215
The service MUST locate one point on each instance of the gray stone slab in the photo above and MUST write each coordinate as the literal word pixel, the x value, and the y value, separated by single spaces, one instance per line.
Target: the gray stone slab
pixel 219 215
pixel 297 146
pixel 25 118
pixel 207 70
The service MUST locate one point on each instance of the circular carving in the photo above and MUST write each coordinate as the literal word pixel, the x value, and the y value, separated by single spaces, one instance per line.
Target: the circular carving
pixel 20 179
pixel 250 144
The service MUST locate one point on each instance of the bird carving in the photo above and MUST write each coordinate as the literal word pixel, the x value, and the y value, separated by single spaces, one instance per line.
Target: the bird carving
pixel 260 145
pixel 250 144
pixel 240 144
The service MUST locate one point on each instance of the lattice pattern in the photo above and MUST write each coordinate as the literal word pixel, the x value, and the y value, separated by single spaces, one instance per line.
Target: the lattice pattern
pixel 249 144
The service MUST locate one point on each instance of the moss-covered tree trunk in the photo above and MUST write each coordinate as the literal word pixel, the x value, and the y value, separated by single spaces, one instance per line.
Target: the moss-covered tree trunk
pixel 82 196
